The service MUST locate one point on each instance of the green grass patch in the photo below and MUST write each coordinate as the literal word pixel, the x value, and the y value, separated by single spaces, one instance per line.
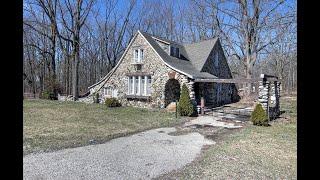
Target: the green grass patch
pixel 53 125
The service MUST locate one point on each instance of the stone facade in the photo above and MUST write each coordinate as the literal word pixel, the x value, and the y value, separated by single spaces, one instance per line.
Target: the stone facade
pixel 269 97
pixel 153 65
pixel 160 73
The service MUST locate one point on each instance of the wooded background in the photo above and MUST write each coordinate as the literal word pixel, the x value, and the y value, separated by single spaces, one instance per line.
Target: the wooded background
pixel 71 44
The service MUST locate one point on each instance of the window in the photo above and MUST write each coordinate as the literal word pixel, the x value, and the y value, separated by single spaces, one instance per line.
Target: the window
pixel 139 85
pixel 108 91
pixel 148 91
pixel 216 59
pixel 174 51
pixel 136 87
pixel 115 93
pixel 130 85
pixel 142 89
pixel 138 55
pixel 141 54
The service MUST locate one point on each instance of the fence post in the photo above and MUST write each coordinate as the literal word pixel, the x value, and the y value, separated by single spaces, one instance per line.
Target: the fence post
pixel 176 108
pixel 202 106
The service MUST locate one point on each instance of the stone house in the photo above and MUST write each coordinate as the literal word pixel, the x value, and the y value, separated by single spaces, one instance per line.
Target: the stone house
pixel 152 70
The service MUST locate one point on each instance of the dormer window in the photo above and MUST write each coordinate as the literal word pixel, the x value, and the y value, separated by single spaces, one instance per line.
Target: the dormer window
pixel 138 56
pixel 174 51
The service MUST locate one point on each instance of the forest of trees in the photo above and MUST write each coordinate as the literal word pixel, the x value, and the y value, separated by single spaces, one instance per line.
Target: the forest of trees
pixel 69 45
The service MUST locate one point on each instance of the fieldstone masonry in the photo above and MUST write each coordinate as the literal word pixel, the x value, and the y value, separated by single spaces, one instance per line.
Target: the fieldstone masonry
pixel 160 73
pixel 269 95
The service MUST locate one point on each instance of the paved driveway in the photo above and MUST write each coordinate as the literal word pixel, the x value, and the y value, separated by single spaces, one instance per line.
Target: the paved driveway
pixel 141 156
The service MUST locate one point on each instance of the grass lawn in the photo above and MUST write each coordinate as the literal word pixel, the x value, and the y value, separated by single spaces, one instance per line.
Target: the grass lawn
pixel 252 153
pixel 53 125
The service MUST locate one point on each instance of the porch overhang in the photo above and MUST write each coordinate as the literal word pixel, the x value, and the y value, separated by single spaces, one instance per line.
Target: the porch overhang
pixel 218 80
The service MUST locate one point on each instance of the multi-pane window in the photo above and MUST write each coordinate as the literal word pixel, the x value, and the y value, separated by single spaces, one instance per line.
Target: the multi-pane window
pixel 130 87
pixel 141 54
pixel 138 55
pixel 142 84
pixel 139 85
pixel 110 92
pixel 148 89
pixel 107 91
pixel 136 87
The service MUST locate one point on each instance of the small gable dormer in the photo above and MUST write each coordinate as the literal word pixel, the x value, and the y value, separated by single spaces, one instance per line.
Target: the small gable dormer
pixel 170 47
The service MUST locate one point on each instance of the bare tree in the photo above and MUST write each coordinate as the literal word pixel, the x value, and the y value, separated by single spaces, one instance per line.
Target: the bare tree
pixel 77 13
pixel 246 27
pixel 41 25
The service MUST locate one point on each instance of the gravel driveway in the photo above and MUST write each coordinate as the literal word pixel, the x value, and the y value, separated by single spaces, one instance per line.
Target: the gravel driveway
pixel 141 156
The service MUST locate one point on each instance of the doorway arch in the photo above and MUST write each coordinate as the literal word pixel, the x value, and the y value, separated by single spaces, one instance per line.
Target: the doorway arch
pixel 171 91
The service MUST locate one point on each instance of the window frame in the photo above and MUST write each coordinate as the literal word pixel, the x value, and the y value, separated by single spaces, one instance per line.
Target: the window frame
pixel 174 51
pixel 108 91
pixel 138 55
pixel 137 88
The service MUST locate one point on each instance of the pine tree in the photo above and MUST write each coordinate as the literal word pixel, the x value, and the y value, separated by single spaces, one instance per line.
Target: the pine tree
pixel 259 116
pixel 185 106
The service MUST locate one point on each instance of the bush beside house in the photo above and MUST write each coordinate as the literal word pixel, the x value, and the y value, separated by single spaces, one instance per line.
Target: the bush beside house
pixel 185 107
pixel 112 102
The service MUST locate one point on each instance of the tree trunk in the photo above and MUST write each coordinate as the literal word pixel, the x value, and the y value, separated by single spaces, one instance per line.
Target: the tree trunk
pixel 75 72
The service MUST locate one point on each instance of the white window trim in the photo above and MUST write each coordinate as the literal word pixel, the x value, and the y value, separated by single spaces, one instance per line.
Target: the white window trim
pixel 139 58
pixel 139 85
pixel 141 54
pixel 148 94
pixel 145 85
pixel 133 84
pixel 108 91
pixel 128 84
pixel 142 91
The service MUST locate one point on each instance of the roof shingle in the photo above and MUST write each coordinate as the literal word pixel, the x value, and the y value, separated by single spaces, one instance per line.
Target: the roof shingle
pixel 196 54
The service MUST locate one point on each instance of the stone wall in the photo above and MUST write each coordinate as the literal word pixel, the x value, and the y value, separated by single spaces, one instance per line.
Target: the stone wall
pixel 269 97
pixel 151 64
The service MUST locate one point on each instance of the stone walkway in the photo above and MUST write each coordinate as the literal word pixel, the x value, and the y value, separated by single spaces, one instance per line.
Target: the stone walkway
pixel 141 156
pixel 217 119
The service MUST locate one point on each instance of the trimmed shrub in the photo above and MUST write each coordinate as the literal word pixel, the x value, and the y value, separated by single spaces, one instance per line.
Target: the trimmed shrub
pixel 45 94
pixel 112 102
pixel 185 107
pixel 259 116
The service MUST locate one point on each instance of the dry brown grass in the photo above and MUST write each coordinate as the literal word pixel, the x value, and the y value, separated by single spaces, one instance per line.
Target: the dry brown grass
pixel 53 125
pixel 254 152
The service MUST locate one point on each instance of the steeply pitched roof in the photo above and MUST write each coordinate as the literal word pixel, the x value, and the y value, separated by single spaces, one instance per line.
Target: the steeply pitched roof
pixel 184 66
pixel 198 53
